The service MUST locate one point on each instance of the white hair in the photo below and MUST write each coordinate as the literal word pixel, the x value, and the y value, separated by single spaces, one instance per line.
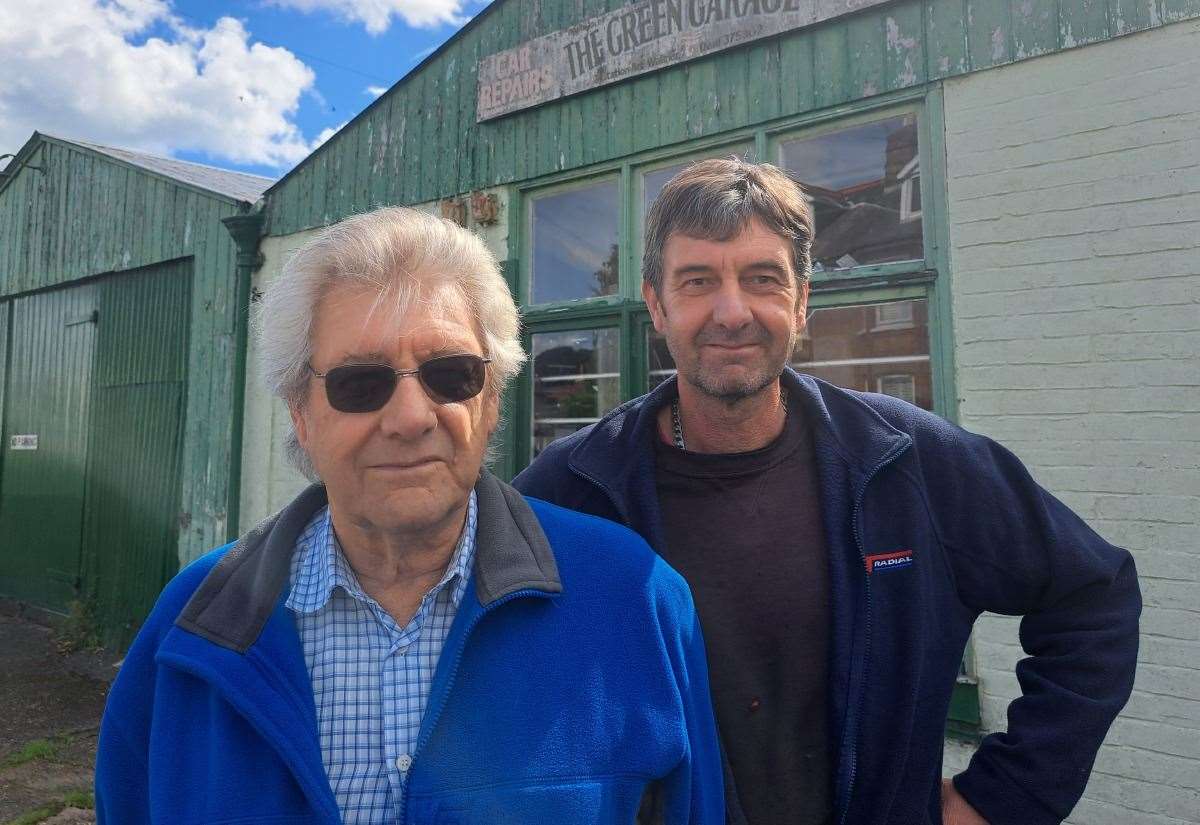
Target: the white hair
pixel 405 256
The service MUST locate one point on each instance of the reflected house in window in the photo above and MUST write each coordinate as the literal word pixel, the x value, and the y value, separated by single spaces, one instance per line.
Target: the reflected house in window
pixel 575 381
pixel 871 347
pixel 864 185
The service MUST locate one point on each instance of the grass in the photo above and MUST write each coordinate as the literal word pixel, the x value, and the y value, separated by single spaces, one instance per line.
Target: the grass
pixel 36 749
pixel 74 799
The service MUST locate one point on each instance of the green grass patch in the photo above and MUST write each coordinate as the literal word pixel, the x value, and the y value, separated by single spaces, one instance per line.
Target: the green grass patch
pixel 80 799
pixel 32 751
pixel 74 799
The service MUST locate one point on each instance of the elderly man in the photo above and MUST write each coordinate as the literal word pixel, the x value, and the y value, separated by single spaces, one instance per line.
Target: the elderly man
pixel 840 545
pixel 409 640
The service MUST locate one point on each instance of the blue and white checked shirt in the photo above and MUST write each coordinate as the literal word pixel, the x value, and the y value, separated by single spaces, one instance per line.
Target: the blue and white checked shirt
pixel 371 678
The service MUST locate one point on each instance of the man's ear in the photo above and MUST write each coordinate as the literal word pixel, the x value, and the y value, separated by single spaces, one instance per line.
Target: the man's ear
pixel 802 308
pixel 299 424
pixel 657 314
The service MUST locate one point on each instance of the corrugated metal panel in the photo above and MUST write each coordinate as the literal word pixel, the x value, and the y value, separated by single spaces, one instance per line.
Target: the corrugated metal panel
pixel 132 506
pixel 84 215
pixel 420 141
pixel 5 310
pixel 42 490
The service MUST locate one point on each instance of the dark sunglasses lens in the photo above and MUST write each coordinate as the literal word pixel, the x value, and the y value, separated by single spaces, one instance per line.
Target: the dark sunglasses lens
pixel 453 377
pixel 359 388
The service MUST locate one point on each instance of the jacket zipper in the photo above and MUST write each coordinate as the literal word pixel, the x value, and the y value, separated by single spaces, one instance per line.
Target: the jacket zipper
pixel 612 497
pixel 441 699
pixel 852 729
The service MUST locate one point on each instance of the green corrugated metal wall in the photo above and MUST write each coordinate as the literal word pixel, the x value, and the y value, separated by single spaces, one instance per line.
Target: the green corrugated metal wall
pixel 41 494
pixel 98 372
pixel 131 508
pixel 83 215
pixel 420 141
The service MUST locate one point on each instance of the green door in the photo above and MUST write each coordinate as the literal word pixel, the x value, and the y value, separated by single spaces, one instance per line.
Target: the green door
pixel 46 422
pixel 131 518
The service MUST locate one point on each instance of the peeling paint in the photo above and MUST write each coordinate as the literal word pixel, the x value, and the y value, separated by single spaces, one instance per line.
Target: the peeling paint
pixel 999 44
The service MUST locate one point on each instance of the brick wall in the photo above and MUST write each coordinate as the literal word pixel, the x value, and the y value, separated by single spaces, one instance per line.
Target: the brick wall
pixel 1074 208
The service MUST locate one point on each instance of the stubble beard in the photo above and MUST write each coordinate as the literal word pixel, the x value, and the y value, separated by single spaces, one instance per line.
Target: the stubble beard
pixel 733 390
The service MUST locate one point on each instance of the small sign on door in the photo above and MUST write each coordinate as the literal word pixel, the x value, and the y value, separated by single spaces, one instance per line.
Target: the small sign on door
pixel 23 442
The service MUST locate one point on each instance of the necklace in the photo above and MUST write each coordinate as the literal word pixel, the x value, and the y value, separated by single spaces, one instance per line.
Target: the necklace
pixel 677 428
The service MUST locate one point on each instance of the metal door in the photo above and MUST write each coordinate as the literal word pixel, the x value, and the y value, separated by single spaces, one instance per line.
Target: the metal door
pixel 46 418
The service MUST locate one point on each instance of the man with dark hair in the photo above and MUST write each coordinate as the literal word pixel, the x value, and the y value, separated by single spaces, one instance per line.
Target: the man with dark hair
pixel 840 545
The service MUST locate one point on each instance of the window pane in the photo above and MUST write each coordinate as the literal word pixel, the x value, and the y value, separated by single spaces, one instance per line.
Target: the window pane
pixel 575 242
pixel 576 379
pixel 864 185
pixel 654 181
pixel 661 365
pixel 873 347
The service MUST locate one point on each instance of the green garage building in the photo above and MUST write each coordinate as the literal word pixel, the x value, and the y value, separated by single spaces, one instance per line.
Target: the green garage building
pixel 120 374
pixel 1008 204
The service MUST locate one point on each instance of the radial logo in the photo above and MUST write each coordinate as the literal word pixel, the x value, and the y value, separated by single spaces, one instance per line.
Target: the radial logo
pixel 889 561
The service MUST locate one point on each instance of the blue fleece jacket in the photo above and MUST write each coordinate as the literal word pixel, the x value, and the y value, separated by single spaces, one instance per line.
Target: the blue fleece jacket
pixel 927 526
pixel 573 678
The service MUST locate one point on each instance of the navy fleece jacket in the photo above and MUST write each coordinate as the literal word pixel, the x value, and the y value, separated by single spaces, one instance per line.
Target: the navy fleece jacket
pixel 927 526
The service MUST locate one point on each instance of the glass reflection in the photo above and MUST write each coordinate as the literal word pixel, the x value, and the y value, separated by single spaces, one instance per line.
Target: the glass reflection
pixel 576 249
pixel 881 347
pixel 864 183
pixel 576 379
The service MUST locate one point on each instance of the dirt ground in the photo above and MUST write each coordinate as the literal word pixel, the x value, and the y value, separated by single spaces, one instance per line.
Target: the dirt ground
pixel 50 707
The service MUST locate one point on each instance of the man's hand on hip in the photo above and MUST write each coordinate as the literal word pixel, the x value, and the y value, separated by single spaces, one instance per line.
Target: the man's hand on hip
pixel 956 810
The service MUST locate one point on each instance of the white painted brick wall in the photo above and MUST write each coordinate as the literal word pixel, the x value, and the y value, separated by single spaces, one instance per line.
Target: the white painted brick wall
pixel 1074 209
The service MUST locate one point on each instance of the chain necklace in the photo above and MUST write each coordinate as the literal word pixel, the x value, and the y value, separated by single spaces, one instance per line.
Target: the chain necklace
pixel 677 428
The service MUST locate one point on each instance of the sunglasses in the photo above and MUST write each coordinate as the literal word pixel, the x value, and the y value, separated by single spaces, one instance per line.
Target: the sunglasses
pixel 361 388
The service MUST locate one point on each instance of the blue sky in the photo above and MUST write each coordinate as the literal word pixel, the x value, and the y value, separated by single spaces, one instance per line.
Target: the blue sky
pixel 252 85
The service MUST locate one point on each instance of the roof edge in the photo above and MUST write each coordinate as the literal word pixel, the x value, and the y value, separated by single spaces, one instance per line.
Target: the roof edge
pixel 404 79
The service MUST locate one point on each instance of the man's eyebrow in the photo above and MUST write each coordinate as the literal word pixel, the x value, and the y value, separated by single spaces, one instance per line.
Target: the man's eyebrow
pixel 767 263
pixel 372 357
pixel 691 269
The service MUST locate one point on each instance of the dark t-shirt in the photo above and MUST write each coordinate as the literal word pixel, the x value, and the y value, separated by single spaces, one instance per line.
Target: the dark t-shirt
pixel 745 530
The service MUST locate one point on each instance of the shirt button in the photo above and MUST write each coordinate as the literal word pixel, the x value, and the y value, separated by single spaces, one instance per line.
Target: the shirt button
pixel 403 762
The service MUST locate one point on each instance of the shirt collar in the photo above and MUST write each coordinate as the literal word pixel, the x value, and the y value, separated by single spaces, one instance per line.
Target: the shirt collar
pixel 319 565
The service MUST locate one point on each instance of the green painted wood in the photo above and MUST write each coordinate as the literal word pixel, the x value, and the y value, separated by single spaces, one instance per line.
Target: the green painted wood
pixel 49 395
pixel 864 47
pixel 1034 28
pixel 1172 11
pixel 1133 15
pixel 989 33
pixel 796 73
pixel 1082 22
pixel 904 48
pixel 432 147
pixel 831 69
pixel 130 523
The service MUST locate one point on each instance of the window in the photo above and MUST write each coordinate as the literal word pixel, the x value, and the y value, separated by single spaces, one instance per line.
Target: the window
pixel 575 240
pixel 576 379
pixel 846 345
pixel 864 185
pixel 875 292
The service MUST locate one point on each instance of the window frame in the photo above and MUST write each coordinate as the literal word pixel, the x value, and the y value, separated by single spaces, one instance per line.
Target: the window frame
pixel 928 278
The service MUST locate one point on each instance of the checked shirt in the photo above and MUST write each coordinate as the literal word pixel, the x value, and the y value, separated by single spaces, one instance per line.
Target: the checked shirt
pixel 371 678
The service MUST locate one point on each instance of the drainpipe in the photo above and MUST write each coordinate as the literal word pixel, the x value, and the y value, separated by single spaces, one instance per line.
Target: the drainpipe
pixel 246 228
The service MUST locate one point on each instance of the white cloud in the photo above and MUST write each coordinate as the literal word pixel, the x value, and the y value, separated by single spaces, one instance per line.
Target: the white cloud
pixel 374 91
pixel 75 68
pixel 376 15
pixel 328 132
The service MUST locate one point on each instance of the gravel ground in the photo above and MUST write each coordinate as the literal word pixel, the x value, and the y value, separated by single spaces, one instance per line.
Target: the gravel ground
pixel 50 707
